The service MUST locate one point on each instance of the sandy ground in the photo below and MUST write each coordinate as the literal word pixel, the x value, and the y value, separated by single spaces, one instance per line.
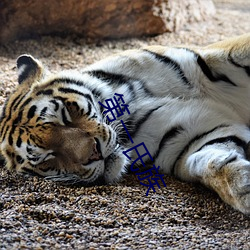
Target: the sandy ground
pixel 37 214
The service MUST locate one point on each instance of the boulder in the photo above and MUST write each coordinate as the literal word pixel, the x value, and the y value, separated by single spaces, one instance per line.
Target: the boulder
pixel 98 19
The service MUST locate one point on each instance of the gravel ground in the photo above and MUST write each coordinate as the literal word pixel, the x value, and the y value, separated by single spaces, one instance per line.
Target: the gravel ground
pixel 37 214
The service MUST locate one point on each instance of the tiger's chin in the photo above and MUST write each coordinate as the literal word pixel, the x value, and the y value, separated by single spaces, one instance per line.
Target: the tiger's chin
pixel 106 171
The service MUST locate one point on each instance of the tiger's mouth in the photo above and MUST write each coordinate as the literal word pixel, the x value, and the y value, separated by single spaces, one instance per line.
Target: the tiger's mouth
pixel 98 156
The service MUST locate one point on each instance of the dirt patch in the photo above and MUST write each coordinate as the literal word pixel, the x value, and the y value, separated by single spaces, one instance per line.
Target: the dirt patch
pixel 37 214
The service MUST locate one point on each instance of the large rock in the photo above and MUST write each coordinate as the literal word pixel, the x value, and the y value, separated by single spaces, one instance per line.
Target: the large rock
pixel 97 18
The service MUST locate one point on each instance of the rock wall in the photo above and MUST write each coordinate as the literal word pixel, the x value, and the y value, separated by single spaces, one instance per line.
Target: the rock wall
pixel 98 19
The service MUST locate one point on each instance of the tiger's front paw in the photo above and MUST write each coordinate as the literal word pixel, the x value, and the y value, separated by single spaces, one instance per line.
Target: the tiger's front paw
pixel 231 180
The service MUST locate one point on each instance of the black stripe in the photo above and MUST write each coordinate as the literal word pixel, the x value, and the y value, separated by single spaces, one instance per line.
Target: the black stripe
pixel 13 104
pixel 231 60
pixel 60 98
pixel 19 142
pixel 170 134
pixel 29 149
pixel 101 109
pixel 110 78
pixel 64 117
pixel 56 105
pixel 19 159
pixel 3 135
pixel 17 101
pixel 206 70
pixel 119 79
pixel 94 116
pixel 195 139
pixel 16 121
pixel 26 103
pixel 45 92
pixel 10 139
pixel 35 158
pixel 13 128
pixel 31 172
pixel 43 111
pixel 109 138
pixel 232 138
pixel 3 124
pixel 75 104
pixel 232 160
pixel 132 92
pixel 146 90
pixel 31 112
pixel 173 64
pixel 213 77
pixel 3 127
pixel 70 91
pixel 71 105
pixel 19 118
pixel 142 120
pixel 67 81
pixel 73 91
pixel 10 109
pixel 2 161
pixel 89 109
pixel 21 131
pixel 42 114
pixel 3 113
pixel 97 93
pixel 247 69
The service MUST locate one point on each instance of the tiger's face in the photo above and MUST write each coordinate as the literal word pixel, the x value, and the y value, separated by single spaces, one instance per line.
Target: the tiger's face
pixel 52 127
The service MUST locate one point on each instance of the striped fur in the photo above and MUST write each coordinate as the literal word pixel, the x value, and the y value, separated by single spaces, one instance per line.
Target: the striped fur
pixel 188 105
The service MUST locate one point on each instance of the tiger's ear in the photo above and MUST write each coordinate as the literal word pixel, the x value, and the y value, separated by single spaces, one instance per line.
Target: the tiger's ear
pixel 30 70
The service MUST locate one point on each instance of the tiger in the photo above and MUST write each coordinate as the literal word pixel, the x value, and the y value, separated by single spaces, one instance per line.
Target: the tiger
pixel 189 105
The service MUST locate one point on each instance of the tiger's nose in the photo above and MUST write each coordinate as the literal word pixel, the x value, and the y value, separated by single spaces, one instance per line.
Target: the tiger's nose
pixel 96 153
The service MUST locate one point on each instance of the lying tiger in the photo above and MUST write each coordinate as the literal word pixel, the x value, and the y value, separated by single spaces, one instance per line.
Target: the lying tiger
pixel 190 106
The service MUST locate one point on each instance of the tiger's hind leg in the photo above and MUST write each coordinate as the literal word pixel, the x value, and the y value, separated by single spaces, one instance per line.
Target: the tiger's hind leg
pixel 225 170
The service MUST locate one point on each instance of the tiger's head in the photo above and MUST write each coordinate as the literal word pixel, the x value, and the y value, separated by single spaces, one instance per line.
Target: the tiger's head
pixel 52 126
